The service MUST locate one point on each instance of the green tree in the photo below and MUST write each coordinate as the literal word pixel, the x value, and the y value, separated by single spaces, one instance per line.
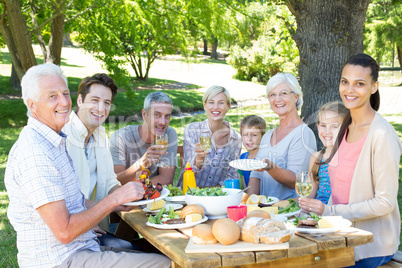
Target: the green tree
pixel 134 32
pixel 23 22
pixel 383 30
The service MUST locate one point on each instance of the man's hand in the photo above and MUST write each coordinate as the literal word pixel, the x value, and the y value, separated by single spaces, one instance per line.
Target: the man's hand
pixel 99 232
pixel 129 192
pixel 152 155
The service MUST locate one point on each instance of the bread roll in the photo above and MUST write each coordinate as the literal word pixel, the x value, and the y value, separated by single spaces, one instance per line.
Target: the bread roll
pixel 259 213
pixel 202 234
pixel 192 209
pixel 226 231
pixel 276 237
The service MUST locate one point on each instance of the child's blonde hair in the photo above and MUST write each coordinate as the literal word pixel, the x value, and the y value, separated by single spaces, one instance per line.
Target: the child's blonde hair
pixel 253 121
pixel 342 111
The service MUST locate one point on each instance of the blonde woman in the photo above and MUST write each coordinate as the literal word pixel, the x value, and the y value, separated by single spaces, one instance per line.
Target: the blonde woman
pixel 225 142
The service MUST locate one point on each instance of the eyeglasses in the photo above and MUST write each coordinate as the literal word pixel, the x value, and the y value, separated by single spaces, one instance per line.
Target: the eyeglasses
pixel 281 94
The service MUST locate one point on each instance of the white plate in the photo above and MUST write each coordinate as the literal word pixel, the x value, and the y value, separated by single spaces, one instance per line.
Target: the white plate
pixel 165 192
pixel 247 164
pixel 290 214
pixel 179 198
pixel 344 223
pixel 273 200
pixel 166 206
pixel 176 226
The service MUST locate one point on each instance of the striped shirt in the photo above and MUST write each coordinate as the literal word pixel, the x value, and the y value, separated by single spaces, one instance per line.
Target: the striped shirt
pixel 39 171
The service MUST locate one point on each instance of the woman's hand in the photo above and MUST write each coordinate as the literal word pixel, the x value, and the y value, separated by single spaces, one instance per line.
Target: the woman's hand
pixel 270 165
pixel 311 205
pixel 200 155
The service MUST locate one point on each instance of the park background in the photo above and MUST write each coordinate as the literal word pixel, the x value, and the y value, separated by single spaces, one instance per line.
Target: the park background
pixel 184 49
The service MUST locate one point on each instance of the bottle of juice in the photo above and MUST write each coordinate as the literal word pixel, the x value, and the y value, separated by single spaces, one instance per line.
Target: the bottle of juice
pixel 188 178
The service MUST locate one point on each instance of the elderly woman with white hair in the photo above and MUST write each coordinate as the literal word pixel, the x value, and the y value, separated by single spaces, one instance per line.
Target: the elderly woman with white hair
pixel 287 148
pixel 225 142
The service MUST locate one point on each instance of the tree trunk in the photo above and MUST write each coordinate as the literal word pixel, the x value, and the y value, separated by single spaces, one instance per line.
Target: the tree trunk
pixel 56 38
pixel 205 52
pixel 12 50
pixel 14 80
pixel 67 40
pixel 20 35
pixel 328 34
pixel 214 52
pixel 399 50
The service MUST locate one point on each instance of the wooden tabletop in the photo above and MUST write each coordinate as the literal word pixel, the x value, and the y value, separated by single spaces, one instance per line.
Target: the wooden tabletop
pixel 304 250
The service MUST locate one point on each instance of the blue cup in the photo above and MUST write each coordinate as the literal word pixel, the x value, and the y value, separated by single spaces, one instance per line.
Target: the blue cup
pixel 234 184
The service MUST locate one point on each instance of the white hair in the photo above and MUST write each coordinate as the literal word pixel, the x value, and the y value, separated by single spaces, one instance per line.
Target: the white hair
pixel 291 81
pixel 158 97
pixel 30 81
pixel 215 90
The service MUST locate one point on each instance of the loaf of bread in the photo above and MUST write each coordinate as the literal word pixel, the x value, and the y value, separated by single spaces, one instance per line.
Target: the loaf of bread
pixel 257 230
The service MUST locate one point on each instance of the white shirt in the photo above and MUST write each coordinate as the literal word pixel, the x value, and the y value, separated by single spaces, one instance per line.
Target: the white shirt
pixel 106 178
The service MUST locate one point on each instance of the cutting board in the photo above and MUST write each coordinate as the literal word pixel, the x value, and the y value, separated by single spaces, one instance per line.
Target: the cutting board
pixel 236 247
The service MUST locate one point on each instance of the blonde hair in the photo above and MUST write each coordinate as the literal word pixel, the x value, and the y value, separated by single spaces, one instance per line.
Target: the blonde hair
pixel 253 121
pixel 342 111
pixel 215 90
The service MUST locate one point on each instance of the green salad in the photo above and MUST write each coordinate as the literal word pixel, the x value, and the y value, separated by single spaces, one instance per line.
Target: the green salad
pixel 213 191
pixel 292 207
pixel 174 191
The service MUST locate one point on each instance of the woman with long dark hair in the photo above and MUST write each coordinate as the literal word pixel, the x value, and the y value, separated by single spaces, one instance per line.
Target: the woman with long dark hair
pixel 364 166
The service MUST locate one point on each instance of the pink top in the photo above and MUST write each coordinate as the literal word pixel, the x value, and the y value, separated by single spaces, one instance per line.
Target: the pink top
pixel 342 167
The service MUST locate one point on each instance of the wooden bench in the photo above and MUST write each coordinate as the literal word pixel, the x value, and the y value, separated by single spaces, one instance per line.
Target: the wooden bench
pixel 395 262
pixel 180 151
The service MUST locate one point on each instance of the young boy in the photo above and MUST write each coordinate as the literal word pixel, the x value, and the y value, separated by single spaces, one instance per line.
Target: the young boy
pixel 252 128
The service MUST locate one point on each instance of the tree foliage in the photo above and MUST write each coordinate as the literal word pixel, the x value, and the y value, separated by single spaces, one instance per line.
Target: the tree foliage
pixel 383 30
pixel 133 32
pixel 265 46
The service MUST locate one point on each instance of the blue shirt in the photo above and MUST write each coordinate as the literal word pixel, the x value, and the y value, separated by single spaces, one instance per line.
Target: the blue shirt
pixel 246 173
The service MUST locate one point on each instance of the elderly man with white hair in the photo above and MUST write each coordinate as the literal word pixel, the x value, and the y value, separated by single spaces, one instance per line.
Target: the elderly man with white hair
pixel 47 209
pixel 287 148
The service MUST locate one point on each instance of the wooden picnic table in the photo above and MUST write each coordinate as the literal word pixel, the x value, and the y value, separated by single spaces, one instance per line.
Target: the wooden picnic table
pixel 305 250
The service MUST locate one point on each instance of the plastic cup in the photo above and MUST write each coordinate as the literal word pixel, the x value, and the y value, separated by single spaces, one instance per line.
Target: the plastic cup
pixel 237 212
pixel 234 184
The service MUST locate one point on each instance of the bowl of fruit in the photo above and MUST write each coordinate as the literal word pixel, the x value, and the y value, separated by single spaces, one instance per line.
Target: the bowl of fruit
pixel 214 200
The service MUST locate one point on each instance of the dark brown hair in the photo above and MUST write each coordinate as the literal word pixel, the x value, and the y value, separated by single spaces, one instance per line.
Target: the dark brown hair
pixel 340 109
pixel 362 60
pixel 253 121
pixel 101 79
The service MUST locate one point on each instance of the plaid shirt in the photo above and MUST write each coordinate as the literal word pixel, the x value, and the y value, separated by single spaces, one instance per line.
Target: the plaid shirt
pixel 40 171
pixel 219 170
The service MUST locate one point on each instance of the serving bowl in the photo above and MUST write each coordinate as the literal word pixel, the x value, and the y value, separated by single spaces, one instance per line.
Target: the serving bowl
pixel 215 206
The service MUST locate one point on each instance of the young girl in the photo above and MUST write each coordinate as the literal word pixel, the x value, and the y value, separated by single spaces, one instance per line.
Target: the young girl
pixel 364 166
pixel 329 118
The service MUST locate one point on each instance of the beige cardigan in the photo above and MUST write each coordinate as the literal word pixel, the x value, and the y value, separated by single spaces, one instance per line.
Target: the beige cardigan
pixel 373 204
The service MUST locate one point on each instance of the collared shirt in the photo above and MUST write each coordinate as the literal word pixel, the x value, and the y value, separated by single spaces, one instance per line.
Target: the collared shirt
pixel 39 171
pixel 104 177
pixel 218 170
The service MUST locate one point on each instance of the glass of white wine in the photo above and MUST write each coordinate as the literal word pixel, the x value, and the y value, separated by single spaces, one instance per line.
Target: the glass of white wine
pixel 205 143
pixel 161 140
pixel 304 185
